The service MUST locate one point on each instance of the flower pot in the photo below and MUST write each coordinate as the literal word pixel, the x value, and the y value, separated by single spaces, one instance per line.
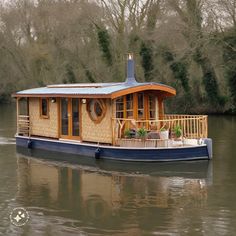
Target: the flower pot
pixel 164 134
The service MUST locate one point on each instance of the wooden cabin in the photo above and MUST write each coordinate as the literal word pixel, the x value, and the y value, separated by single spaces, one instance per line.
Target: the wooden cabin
pixel 100 112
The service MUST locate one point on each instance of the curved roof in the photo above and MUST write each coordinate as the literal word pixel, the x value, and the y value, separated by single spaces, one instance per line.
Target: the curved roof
pixel 98 90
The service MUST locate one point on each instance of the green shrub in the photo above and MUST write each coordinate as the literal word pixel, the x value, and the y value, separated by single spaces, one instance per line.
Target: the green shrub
pixel 147 60
pixel 178 131
pixel 127 133
pixel 104 44
pixel 142 133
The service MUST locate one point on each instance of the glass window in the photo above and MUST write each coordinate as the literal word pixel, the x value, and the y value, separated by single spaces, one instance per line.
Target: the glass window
pixel 44 107
pixel 140 105
pixel 75 117
pixel 129 106
pixel 120 107
pixel 152 107
pixel 64 116
pixel 96 109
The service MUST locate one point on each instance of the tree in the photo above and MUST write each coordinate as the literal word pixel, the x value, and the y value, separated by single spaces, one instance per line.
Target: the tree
pixel 190 11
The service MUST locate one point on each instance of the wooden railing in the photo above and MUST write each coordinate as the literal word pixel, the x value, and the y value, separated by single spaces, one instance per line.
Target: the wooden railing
pixel 192 126
pixel 23 125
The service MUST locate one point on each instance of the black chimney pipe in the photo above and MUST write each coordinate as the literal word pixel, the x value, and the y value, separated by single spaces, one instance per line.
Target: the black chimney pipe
pixel 130 70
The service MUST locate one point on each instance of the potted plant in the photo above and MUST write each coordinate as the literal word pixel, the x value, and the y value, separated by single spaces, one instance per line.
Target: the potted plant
pixel 164 133
pixel 142 133
pixel 178 131
pixel 128 133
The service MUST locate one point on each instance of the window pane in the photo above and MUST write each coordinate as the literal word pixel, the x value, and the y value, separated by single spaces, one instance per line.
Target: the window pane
pixel 140 101
pixel 75 116
pixel 152 108
pixel 140 113
pixel 120 107
pixel 119 115
pixel 97 108
pixel 140 105
pixel 64 116
pixel 44 107
pixel 129 114
pixel 129 106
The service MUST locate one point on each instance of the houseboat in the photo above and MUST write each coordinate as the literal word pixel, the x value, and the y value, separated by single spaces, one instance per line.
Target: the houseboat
pixel 121 121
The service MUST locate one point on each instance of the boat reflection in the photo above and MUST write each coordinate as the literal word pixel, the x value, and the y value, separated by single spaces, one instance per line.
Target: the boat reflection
pixel 105 195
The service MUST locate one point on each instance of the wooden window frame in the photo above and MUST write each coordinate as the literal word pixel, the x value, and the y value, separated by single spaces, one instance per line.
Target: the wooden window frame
pixel 41 108
pixel 150 109
pixel 102 104
pixel 143 109
pixel 119 102
pixel 132 106
pixel 135 108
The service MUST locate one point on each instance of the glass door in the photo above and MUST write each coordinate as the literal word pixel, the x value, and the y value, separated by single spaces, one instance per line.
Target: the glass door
pixel 64 117
pixel 75 117
pixel 70 118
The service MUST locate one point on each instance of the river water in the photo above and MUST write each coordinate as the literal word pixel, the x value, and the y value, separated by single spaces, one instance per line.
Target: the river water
pixel 88 197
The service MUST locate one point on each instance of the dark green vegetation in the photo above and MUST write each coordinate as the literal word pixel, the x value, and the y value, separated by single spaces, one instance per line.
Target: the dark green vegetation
pixel 185 44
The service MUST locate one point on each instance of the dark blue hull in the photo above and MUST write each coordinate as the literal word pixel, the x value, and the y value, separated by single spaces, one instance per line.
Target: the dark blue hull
pixel 117 153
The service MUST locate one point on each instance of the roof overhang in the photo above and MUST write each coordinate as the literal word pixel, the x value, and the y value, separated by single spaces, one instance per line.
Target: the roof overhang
pixel 54 95
pixel 166 91
pixel 161 90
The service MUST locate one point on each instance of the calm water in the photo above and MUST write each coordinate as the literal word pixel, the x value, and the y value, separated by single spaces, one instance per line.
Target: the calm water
pixel 104 198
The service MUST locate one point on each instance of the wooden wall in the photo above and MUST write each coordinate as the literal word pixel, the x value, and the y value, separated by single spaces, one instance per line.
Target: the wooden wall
pixel 42 126
pixel 97 132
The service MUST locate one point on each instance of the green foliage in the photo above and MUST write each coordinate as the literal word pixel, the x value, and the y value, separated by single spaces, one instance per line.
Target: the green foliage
pixel 95 40
pixel 70 74
pixel 89 76
pixel 147 60
pixel 166 54
pixel 209 78
pixel 178 131
pixel 211 86
pixel 40 83
pixel 127 133
pixel 104 44
pixel 179 70
pixel 142 133
pixel 5 92
pixel 229 56
pixel 178 67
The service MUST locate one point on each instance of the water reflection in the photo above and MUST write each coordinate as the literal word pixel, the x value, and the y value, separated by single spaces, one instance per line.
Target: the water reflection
pixel 106 197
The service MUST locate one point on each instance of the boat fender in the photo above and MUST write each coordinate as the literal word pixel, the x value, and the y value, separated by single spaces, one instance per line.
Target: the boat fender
pixel 208 142
pixel 29 144
pixel 97 153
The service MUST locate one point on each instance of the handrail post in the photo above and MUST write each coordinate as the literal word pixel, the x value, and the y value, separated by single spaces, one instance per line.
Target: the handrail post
pixel 17 115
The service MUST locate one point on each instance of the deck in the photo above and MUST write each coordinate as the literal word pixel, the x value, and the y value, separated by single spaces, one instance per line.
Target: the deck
pixel 194 129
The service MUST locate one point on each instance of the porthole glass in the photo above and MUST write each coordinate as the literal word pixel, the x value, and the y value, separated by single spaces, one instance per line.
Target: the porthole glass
pixel 96 109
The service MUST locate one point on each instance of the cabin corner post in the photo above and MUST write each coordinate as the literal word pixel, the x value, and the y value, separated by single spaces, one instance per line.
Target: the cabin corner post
pixel 113 131
pixel 17 115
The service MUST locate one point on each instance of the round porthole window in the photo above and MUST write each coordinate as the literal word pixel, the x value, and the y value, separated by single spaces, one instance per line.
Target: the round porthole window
pixel 96 109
